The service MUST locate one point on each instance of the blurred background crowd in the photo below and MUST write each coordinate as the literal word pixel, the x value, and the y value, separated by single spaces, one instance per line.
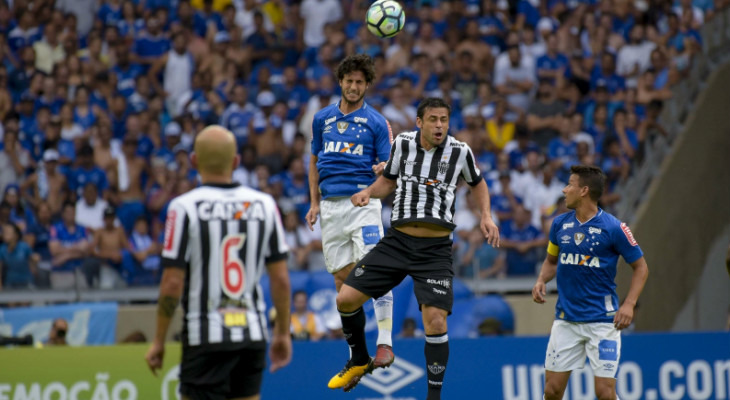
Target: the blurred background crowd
pixel 100 101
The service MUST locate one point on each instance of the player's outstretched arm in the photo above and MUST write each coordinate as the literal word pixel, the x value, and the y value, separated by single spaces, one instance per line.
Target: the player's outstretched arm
pixel 379 189
pixel 171 288
pixel 314 195
pixel 280 351
pixel 625 313
pixel 547 273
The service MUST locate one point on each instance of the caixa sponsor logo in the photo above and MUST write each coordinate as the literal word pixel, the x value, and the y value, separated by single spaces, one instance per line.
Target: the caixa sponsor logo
pixel 400 374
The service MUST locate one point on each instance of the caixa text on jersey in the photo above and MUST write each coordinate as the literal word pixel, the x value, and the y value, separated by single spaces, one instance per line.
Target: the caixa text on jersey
pixel 227 210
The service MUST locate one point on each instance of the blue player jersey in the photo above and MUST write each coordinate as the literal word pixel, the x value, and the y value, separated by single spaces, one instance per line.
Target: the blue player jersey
pixel 587 257
pixel 347 146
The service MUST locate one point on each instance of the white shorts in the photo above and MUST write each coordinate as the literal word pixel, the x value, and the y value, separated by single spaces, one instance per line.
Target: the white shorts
pixel 571 342
pixel 348 232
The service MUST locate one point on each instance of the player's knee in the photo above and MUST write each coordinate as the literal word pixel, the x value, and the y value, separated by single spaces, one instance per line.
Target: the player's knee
pixel 434 320
pixel 553 391
pixel 346 302
pixel 605 393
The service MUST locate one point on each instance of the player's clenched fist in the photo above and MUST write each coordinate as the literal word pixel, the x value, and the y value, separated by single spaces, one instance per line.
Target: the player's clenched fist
pixel 360 199
pixel 538 292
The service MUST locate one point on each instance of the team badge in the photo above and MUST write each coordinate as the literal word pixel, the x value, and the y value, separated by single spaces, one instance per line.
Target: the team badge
pixel 436 369
pixel 360 271
pixel 342 126
pixel 443 167
pixel 578 237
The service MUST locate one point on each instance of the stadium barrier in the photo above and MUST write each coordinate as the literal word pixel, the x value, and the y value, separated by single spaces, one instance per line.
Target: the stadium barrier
pixel 654 366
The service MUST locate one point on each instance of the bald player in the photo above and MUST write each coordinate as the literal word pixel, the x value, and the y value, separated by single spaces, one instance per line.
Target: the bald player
pixel 218 240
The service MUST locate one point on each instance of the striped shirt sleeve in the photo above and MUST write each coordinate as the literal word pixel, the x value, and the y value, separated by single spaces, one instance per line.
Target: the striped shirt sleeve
pixel 174 249
pixel 277 248
pixel 392 168
pixel 472 175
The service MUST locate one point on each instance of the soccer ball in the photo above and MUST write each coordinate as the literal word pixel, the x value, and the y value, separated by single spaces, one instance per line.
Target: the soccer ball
pixel 385 18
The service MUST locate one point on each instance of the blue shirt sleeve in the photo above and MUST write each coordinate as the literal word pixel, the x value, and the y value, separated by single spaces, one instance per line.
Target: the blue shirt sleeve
pixel 625 244
pixel 316 136
pixel 383 139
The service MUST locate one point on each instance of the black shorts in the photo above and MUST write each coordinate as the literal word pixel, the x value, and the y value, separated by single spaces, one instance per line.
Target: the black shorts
pixel 217 373
pixel 427 260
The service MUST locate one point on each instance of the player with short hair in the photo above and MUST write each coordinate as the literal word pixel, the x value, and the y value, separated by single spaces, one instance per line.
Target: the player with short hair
pixel 583 251
pixel 424 169
pixel 218 240
pixel 349 138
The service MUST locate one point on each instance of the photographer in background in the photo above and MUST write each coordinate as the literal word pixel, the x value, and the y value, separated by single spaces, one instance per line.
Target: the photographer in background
pixel 57 336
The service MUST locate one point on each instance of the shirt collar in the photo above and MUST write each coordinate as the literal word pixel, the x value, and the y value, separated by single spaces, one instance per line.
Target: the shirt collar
pixel 418 140
pixel 363 107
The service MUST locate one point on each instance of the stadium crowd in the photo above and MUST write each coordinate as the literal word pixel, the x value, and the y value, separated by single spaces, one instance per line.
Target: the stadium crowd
pixel 100 101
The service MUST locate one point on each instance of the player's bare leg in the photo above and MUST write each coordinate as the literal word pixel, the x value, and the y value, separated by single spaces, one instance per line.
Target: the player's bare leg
pixel 555 384
pixel 341 275
pixel 436 349
pixel 383 313
pixel 605 388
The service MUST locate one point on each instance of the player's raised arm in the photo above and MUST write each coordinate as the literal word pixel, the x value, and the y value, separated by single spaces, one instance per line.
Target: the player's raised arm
pixel 381 188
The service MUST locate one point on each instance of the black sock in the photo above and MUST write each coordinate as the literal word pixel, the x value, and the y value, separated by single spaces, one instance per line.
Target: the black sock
pixel 353 326
pixel 437 356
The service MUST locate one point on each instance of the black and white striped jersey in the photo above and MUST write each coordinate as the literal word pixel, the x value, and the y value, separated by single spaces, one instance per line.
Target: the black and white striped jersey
pixel 426 179
pixel 223 236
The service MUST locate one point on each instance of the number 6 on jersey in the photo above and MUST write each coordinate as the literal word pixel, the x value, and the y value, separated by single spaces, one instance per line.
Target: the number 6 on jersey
pixel 232 272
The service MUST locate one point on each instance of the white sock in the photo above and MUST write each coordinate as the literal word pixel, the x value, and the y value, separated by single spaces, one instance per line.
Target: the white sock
pixel 384 314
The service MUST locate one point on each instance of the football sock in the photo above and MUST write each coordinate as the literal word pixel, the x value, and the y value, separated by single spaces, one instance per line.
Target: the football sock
pixel 384 314
pixel 437 356
pixel 353 326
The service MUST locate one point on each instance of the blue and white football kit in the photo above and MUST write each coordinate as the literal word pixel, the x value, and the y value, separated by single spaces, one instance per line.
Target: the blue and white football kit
pixel 347 146
pixel 587 301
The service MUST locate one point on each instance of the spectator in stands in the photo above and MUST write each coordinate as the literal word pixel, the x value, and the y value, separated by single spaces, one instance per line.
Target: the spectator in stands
pixel 522 242
pixel 177 67
pixel 635 56
pixel 14 159
pixel 409 330
pixel 109 244
pixel 305 325
pixel 627 137
pixel 19 214
pixel 545 115
pixel 87 172
pixel 504 200
pixel 141 264
pixel 37 236
pixel 17 261
pixel 49 50
pixel 515 79
pixel 500 130
pixel 90 209
pixel 131 169
pixel 543 193
pixel 245 174
pixel 69 245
